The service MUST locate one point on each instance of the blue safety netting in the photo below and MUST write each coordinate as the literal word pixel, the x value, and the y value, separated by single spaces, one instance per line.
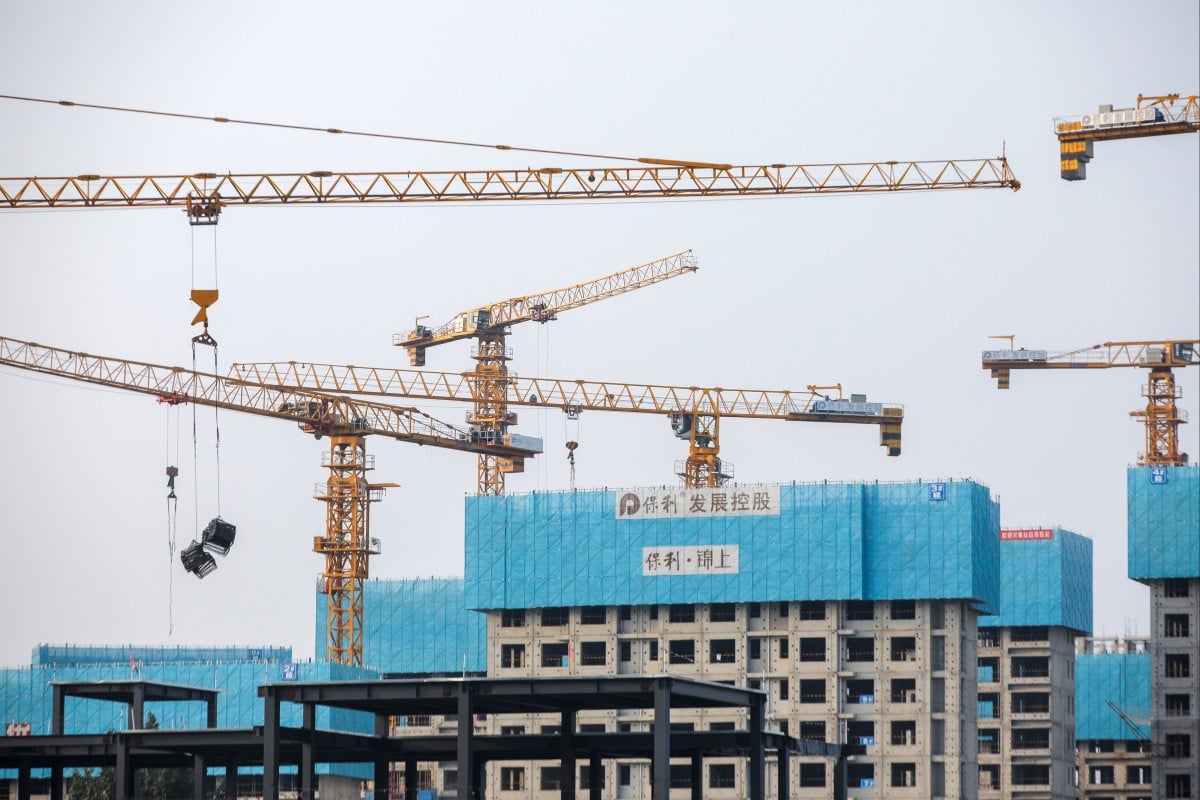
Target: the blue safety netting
pixel 1164 522
pixel 1122 679
pixel 827 542
pixel 1045 582
pixel 419 625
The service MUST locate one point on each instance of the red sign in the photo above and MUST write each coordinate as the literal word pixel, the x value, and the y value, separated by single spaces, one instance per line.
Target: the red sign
pixel 1018 534
pixel 17 729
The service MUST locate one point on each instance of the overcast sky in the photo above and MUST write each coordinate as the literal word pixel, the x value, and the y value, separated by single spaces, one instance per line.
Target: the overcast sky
pixel 893 296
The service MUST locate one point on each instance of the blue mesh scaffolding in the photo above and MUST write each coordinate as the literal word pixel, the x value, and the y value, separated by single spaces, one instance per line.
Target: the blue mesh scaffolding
pixel 1164 522
pixel 26 694
pixel 826 542
pixel 1045 582
pixel 1121 678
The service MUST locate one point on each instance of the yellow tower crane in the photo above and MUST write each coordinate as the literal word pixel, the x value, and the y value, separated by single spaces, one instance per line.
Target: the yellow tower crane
pixel 1161 416
pixel 489 325
pixel 1152 116
pixel 694 412
pixel 347 494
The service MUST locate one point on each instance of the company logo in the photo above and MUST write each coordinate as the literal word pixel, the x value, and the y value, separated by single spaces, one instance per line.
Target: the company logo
pixel 737 501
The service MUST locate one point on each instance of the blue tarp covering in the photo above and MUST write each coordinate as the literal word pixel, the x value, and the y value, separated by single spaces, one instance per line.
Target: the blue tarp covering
pixel 1123 679
pixel 26 694
pixel 417 625
pixel 1164 522
pixel 827 542
pixel 1045 582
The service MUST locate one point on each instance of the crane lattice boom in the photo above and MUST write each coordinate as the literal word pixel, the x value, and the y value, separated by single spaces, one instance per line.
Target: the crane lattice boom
pixel 560 393
pixel 695 412
pixel 549 183
pixel 321 412
pixel 347 495
pixel 545 306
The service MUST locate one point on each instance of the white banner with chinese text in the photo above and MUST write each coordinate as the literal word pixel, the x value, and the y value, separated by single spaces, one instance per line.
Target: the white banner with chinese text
pixel 737 501
pixel 713 559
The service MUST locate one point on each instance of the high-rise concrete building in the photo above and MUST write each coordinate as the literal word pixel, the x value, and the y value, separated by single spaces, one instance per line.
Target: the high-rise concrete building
pixel 853 606
pixel 1027 665
pixel 1112 720
pixel 1164 554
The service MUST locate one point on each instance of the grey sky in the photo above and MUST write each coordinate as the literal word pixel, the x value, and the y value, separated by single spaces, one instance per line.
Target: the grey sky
pixel 893 296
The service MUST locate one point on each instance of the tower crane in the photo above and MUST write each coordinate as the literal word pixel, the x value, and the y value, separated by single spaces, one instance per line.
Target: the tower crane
pixel 695 413
pixel 1161 416
pixel 346 421
pixel 490 324
pixel 1152 116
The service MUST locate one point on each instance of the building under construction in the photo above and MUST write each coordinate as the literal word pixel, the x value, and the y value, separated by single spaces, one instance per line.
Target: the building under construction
pixel 899 618
pixel 857 608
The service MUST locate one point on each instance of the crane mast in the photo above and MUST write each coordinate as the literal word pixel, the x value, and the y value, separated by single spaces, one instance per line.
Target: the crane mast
pixel 347 494
pixel 489 325
pixel 694 412
pixel 1161 417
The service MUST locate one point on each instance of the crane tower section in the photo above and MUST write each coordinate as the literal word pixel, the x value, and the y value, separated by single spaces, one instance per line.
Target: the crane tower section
pixel 347 495
pixel 1161 416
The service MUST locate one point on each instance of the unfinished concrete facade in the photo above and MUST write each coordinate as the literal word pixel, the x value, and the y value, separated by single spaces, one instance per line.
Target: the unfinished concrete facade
pixel 1026 713
pixel 897 677
pixel 1112 759
pixel 1175 718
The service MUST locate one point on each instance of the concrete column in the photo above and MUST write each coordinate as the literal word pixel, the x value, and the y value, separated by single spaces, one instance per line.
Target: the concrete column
pixel 58 712
pixel 566 768
pixel 139 706
pixel 596 777
pixel 24 782
pixel 308 766
pixel 758 761
pixel 382 775
pixel 271 746
pixel 199 768
pixel 468 788
pixel 56 782
pixel 410 778
pixel 660 764
pixel 124 773
pixel 231 779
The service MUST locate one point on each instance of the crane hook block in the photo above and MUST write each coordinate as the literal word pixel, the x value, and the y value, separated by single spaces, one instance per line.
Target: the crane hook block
pixel 203 298
pixel 203 210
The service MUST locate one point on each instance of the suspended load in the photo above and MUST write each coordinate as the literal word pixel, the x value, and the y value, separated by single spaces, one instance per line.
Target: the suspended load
pixel 196 561
pixel 218 536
